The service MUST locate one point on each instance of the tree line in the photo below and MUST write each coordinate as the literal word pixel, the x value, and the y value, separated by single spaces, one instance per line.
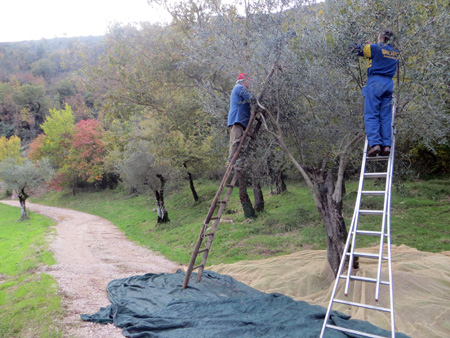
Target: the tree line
pixel 159 94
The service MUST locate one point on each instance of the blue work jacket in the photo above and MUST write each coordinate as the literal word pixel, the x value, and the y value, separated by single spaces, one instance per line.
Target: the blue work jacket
pixel 239 106
pixel 383 59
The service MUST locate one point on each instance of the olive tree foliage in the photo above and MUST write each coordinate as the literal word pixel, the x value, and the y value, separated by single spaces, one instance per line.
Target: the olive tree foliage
pixel 25 177
pixel 423 39
pixel 302 107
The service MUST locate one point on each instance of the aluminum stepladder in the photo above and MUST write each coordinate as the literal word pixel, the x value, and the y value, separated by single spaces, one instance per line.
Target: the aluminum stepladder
pixel 211 222
pixel 384 235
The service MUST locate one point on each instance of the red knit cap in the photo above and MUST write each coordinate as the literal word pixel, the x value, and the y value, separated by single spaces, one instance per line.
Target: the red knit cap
pixel 244 76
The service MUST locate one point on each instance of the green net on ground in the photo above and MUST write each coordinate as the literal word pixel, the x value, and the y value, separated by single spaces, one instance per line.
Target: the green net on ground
pixel 155 305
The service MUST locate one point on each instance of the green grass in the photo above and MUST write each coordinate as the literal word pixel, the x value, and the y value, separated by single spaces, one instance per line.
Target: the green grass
pixel 290 222
pixel 30 305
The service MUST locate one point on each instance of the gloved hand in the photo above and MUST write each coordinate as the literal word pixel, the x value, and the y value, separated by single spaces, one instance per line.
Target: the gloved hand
pixel 355 48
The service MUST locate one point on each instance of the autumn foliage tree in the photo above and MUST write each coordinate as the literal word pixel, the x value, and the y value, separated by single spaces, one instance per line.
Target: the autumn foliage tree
pixel 9 147
pixel 76 150
pixel 88 151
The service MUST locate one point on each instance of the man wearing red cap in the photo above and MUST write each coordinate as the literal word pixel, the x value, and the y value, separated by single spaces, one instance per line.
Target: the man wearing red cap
pixel 239 113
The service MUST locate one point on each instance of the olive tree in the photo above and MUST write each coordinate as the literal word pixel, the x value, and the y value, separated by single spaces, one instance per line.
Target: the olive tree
pixel 141 173
pixel 25 177
pixel 312 105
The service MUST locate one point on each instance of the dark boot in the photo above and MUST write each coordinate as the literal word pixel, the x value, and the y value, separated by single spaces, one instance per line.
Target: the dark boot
pixel 374 151
pixel 386 151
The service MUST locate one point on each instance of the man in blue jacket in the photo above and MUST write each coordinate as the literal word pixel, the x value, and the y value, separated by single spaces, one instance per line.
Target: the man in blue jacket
pixel 239 113
pixel 383 60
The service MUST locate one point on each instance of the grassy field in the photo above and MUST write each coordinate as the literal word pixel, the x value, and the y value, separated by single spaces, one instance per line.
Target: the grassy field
pixel 30 305
pixel 419 217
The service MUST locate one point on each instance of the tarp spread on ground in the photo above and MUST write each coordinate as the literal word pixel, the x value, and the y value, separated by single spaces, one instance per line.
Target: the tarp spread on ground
pixel 155 305
pixel 421 286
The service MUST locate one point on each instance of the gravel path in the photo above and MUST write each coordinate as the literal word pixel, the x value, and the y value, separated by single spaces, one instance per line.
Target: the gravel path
pixel 90 251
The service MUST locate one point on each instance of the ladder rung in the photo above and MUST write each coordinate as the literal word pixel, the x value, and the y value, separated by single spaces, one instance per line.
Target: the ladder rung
pixel 365 255
pixel 366 306
pixel 368 233
pixel 224 202
pixel 365 279
pixel 371 212
pixel 202 250
pixel 373 193
pixel 214 218
pixel 196 267
pixel 378 158
pixel 375 175
pixel 229 186
pixel 343 329
pixel 208 234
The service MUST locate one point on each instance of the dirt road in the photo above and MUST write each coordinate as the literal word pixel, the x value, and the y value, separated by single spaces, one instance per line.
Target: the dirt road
pixel 90 251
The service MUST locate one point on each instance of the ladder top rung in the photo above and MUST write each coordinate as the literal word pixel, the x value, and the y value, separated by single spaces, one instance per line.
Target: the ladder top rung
pixel 343 329
pixel 371 212
pixel 366 306
pixel 373 192
pixel 378 158
pixel 375 175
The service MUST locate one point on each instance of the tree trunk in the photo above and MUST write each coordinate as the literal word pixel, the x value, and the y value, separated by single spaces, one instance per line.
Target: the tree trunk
pixel 191 182
pixel 191 185
pixel 279 183
pixel 163 215
pixel 259 197
pixel 327 197
pixel 247 206
pixel 331 212
pixel 23 210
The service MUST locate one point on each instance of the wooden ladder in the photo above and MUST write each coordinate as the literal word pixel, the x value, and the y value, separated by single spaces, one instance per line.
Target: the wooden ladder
pixel 211 222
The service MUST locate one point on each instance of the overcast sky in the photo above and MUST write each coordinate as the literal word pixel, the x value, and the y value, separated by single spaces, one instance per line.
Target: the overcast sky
pixel 36 19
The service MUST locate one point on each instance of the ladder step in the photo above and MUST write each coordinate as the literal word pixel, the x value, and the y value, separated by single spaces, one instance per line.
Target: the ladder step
pixel 203 250
pixel 343 329
pixel 224 202
pixel 373 193
pixel 214 218
pixel 368 233
pixel 208 234
pixel 377 158
pixel 365 255
pixel 366 306
pixel 375 175
pixel 364 279
pixel 371 212
pixel 229 186
pixel 196 267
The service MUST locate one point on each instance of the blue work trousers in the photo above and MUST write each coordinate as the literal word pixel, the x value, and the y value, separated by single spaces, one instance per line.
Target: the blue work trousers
pixel 378 110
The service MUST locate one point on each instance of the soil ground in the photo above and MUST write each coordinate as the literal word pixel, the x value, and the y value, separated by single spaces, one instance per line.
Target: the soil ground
pixel 90 251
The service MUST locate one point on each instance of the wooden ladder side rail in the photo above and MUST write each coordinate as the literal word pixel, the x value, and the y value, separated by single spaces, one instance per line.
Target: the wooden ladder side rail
pixel 214 226
pixel 214 204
